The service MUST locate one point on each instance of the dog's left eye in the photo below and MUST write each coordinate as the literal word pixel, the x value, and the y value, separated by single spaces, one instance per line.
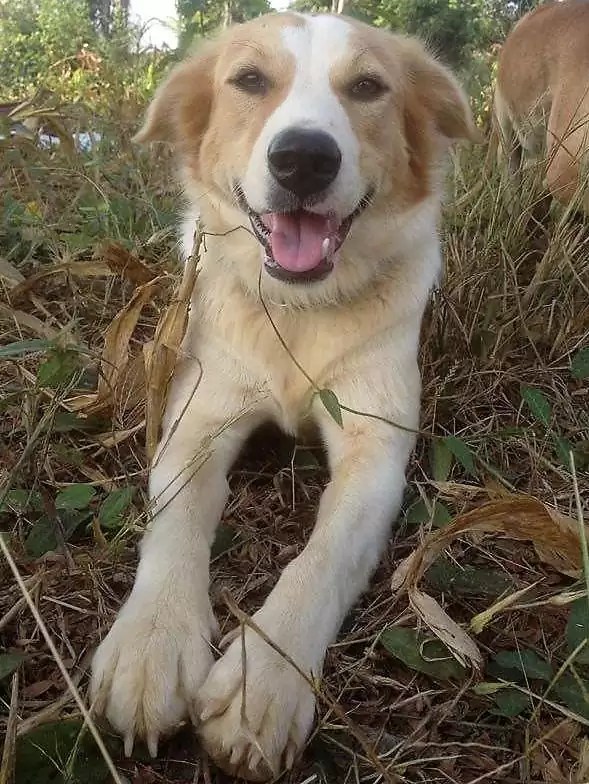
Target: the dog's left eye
pixel 251 81
pixel 366 88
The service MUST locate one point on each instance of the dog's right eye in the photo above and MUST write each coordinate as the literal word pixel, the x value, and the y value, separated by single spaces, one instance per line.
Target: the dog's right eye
pixel 251 81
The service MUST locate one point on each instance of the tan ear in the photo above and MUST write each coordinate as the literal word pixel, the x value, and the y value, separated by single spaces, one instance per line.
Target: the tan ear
pixel 437 91
pixel 181 106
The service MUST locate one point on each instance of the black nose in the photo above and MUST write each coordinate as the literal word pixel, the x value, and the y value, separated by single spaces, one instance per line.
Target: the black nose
pixel 304 161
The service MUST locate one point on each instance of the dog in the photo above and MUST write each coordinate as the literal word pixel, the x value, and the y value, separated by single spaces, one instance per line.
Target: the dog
pixel 312 150
pixel 541 104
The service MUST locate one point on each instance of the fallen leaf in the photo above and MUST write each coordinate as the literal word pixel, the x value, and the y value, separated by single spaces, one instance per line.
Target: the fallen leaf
pixel 80 269
pixel 415 651
pixel 520 666
pixel 554 536
pixel 120 376
pixel 463 647
pixel 161 355
pixel 9 662
pixel 479 621
pixel 125 263
pixel 9 273
pixel 28 322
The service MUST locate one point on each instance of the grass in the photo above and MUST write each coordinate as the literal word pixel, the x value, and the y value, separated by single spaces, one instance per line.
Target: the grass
pixel 505 366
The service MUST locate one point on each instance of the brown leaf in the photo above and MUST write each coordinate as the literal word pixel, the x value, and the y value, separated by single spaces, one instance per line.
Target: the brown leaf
pixel 120 378
pixel 463 647
pixel 162 354
pixel 27 322
pixel 123 262
pixel 9 274
pixel 554 536
pixel 37 688
pixel 80 269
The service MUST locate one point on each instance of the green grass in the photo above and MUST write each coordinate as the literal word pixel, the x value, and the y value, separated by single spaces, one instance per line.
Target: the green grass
pixel 505 366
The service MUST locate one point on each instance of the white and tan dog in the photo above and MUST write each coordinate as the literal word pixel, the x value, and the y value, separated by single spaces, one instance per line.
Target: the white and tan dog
pixel 312 147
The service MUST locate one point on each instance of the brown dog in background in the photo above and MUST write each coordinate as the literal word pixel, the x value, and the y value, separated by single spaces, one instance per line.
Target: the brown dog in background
pixel 542 96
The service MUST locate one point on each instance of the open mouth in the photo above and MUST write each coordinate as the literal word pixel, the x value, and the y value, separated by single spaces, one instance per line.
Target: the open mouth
pixel 300 246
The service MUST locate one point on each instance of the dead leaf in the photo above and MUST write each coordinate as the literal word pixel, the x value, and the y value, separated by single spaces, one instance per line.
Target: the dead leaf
pixel 463 647
pixel 36 689
pixel 9 273
pixel 27 322
pixel 161 356
pixel 554 536
pixel 120 378
pixel 123 262
pixel 80 269
pixel 482 619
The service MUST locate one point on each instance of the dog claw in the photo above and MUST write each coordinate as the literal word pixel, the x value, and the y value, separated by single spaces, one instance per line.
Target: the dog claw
pixel 152 743
pixel 129 740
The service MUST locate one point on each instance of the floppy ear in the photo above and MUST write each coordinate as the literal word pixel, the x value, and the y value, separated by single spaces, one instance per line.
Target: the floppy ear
pixel 436 93
pixel 180 109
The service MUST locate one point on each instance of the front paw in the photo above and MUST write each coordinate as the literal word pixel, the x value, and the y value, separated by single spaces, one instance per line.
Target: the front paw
pixel 261 739
pixel 147 672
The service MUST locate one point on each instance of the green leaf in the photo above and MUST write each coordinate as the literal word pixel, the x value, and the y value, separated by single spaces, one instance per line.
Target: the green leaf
pixel 305 460
pixel 519 666
pixel 58 369
pixel 62 752
pixel 9 663
pixel 113 507
pixel 20 500
pixel 462 452
pixel 580 364
pixel 577 629
pixel 75 497
pixel 562 447
pixel 21 347
pixel 331 403
pixel 441 460
pixel 538 404
pixel 419 514
pixel 43 536
pixel 510 703
pixel 431 658
pixel 573 692
pixel 485 688
pixel 445 575
pixel 225 537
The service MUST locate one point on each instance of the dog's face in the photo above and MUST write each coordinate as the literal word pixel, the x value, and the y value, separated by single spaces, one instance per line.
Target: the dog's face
pixel 306 124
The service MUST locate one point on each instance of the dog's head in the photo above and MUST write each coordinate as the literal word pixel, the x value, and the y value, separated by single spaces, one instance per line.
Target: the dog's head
pixel 306 124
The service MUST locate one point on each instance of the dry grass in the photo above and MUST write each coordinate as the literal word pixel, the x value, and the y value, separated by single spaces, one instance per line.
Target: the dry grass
pixel 512 311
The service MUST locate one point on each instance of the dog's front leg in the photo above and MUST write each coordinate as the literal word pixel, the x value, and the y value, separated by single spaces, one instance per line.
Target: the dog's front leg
pixel 147 671
pixel 304 611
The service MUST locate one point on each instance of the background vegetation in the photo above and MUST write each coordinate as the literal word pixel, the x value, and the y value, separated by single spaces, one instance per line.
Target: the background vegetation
pixel 87 249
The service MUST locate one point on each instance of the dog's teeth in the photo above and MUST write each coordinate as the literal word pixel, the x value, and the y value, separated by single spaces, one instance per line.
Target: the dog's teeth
pixel 325 247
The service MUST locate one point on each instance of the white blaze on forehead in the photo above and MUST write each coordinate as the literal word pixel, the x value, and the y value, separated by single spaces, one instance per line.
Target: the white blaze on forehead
pixel 317 46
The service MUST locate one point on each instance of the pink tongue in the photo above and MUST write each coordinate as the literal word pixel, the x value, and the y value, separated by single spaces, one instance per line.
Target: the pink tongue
pixel 298 239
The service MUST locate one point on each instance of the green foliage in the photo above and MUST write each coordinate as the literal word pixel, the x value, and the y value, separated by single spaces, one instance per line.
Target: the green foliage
pixel 114 506
pixel 430 657
pixel 577 630
pixel 580 364
pixel 9 662
pixel 39 40
pixel 332 405
pixel 63 752
pixel 435 512
pixel 199 18
pixel 453 29
pixel 538 404
pixel 462 452
pixel 75 497
pixel 445 575
pixel 520 666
